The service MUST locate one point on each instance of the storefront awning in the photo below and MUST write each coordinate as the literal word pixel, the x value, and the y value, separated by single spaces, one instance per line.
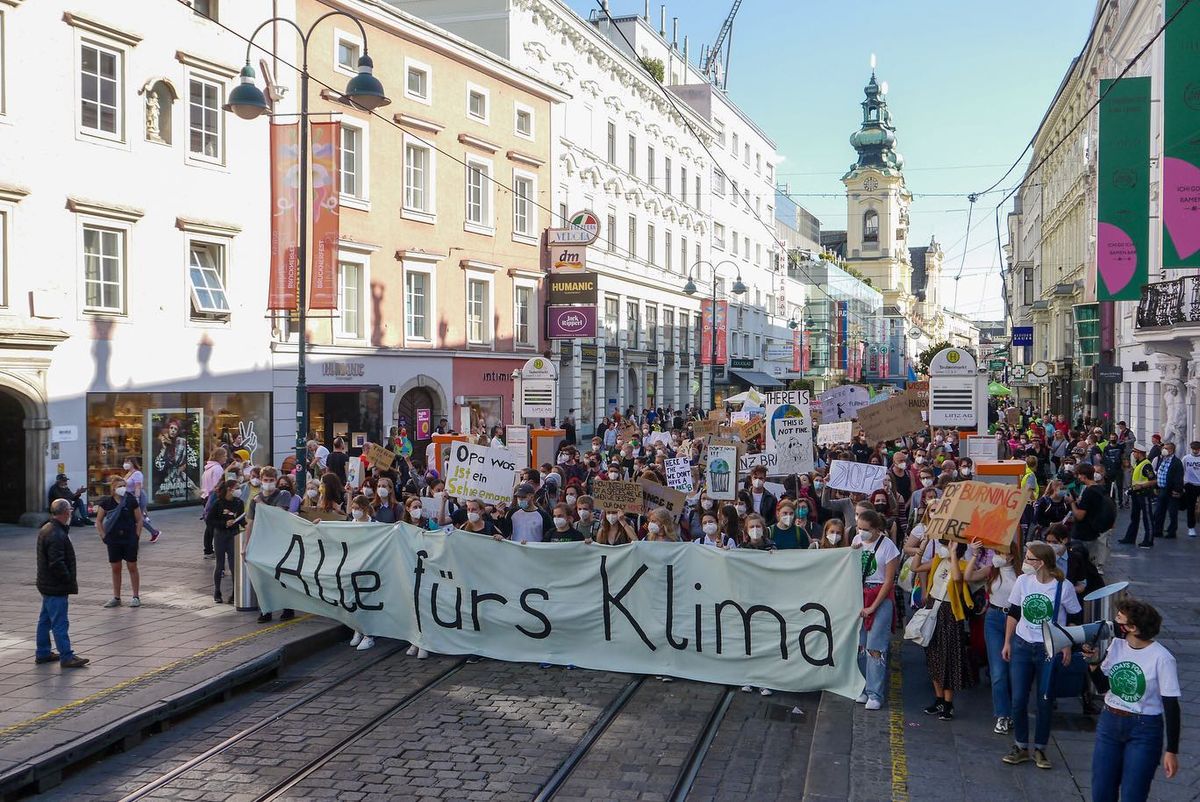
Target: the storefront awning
pixel 754 378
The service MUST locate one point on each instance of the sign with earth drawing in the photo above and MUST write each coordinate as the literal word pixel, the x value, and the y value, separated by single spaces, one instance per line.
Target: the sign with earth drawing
pixel 789 432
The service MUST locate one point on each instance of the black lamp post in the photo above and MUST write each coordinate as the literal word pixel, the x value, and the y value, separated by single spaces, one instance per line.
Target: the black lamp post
pixel 247 101
pixel 690 289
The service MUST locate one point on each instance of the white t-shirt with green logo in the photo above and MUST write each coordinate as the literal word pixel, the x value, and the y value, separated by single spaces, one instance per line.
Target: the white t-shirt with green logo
pixel 875 562
pixel 1138 679
pixel 1035 600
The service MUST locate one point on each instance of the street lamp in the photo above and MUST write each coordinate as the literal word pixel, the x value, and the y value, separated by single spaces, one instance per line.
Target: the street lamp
pixel 690 289
pixel 247 101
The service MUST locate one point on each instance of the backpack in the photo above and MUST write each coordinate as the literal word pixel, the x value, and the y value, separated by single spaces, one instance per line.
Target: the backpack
pixel 111 517
pixel 1105 515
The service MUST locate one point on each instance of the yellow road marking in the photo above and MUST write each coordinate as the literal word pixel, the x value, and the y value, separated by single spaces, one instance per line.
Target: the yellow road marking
pixel 896 727
pixel 120 686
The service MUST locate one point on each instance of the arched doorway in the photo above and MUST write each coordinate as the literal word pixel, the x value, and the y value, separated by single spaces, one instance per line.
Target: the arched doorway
pixel 633 395
pixel 416 398
pixel 12 458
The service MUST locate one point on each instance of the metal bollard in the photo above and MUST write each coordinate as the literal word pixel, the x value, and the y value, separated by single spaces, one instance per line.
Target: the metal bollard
pixel 244 598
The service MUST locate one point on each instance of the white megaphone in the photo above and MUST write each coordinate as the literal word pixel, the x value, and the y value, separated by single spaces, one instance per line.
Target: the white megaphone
pixel 1097 634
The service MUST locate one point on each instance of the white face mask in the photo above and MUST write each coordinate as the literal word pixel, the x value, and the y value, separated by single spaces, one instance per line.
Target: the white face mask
pixel 474 517
pixel 834 537
pixel 255 482
pixel 966 471
pixel 758 483
pixel 268 487
pixel 866 534
pixel 710 529
pixel 920 460
pixel 415 513
pixel 942 550
pixel 999 561
pixel 785 521
pixel 128 466
pixel 312 492
pixel 927 483
pixel 612 517
pixel 246 471
pixel 356 513
pixel 571 501
pixel 1059 548
pixel 901 465
pixel 368 492
pixel 756 533
pixel 384 492
pixel 613 475
pixel 585 515
pixel 1028 569
pixel 120 491
pixel 595 447
pixel 653 528
pixel 560 522
pixel 741 509
pixel 706 504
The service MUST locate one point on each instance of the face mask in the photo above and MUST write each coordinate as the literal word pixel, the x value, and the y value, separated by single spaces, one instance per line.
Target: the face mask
pixel 866 534
pixel 612 517
pixel 585 515
pixel 999 561
pixel 523 503
pixel 128 466
pixel 818 485
pixel 707 504
pixel 966 471
pixel 756 533
pixel 312 493
pixel 595 447
pixel 474 517
pixel 943 551
pixel 1028 569
pixel 758 483
pixel 741 509
pixel 834 537
pixel 613 475
pixel 368 492
pixel 268 487
pixel 416 513
pixel 1059 548
pixel 785 521
pixel 901 465
pixel 927 483
pixel 571 501
pixel 803 512
pixel 384 492
pixel 899 444
pixel 920 460
pixel 120 491
pixel 560 522
pixel 653 528
pixel 710 529
pixel 356 513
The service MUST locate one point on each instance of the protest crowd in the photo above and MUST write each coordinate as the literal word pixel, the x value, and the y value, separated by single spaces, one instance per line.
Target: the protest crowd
pixel 974 602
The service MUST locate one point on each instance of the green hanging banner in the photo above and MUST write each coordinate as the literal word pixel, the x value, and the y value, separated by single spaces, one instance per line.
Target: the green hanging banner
pixel 1181 136
pixel 1123 213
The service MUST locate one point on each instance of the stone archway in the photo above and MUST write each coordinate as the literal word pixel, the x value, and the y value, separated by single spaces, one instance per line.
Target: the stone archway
pixel 436 394
pixel 24 441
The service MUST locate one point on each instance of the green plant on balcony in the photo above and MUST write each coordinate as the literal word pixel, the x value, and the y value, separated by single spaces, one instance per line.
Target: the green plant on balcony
pixel 655 67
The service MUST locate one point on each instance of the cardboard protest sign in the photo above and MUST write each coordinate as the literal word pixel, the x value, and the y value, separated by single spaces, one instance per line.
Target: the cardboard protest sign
pixel 855 477
pixel 789 431
pixel 768 461
pixel 629 432
pixel 612 494
pixel 752 429
pixel 679 474
pixel 983 510
pixel 655 495
pixel 717 415
pixel 705 428
pixel 889 419
pixel 480 472
pixel 1012 416
pixel 720 475
pixel 844 402
pixel 831 433
pixel 380 457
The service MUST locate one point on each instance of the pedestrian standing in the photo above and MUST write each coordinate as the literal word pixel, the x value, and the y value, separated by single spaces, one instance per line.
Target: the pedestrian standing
pixel 226 517
pixel 946 657
pixel 880 564
pixel 1169 475
pixel 57 580
pixel 272 496
pixel 135 483
pixel 1000 582
pixel 1094 513
pixel 214 472
pixel 360 513
pixel 120 528
pixel 1191 485
pixel 1142 488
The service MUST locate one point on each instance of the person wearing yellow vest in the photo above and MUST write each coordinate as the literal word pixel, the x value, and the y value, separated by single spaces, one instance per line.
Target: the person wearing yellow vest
pixel 1141 494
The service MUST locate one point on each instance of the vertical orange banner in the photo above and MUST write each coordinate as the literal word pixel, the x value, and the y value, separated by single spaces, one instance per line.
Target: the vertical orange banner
pixel 322 293
pixel 285 221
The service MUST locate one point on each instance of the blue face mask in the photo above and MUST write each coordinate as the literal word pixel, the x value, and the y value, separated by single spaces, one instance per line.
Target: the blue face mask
pixel 523 503
pixel 802 512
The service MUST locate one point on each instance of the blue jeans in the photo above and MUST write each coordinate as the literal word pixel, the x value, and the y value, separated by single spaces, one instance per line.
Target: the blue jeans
pixel 1126 755
pixel 993 635
pixel 1028 670
pixel 1166 513
pixel 53 618
pixel 876 640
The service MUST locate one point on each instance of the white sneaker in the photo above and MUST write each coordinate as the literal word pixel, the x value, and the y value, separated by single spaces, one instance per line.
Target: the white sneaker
pixel 747 689
pixel 412 651
pixel 1191 532
pixel 874 704
pixel 357 639
pixel 135 602
pixel 862 698
pixel 366 643
pixel 421 654
pixel 765 691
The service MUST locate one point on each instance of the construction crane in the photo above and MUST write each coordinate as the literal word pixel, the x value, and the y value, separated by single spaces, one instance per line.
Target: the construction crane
pixel 710 57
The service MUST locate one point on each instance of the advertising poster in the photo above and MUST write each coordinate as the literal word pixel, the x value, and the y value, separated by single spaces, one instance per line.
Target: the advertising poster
pixel 707 325
pixel 323 287
pixel 1181 145
pixel 423 426
pixel 174 454
pixel 1123 187
pixel 285 224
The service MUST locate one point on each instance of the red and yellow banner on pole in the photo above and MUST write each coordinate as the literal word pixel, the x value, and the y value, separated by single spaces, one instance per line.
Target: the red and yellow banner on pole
pixel 797 351
pixel 285 218
pixel 713 324
pixel 322 293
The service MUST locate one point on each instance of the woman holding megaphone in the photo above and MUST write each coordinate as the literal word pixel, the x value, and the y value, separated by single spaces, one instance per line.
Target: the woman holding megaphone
pixel 1141 686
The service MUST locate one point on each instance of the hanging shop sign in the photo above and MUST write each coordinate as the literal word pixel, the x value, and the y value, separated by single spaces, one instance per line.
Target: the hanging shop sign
pixel 571 288
pixel 570 322
pixel 1181 146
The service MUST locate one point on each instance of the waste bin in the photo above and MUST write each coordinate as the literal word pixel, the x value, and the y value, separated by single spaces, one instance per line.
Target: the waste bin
pixel 244 598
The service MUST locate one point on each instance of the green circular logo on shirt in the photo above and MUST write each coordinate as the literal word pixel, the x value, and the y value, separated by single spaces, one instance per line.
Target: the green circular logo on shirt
pixel 1037 609
pixel 869 565
pixel 1128 681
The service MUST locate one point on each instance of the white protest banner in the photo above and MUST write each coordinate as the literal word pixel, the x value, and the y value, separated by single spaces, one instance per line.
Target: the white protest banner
pixel 679 473
pixel 855 477
pixel 516 439
pixel 844 402
pixel 431 507
pixel 655 495
pixel 777 490
pixel 740 417
pixel 720 475
pixel 768 461
pixel 790 430
pixel 480 472
pixel 787 620
pixel 832 433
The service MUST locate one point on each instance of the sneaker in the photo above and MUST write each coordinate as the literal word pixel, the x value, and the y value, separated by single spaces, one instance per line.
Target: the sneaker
pixel 765 692
pixel 1191 532
pixel 422 654
pixel 1040 760
pixel 1003 725
pixel 412 651
pixel 1145 545
pixel 75 662
pixel 862 698
pixel 366 643
pixel 873 704
pixel 357 639
pixel 264 618
pixel 115 601
pixel 135 602
pixel 570 666
pixel 1016 755
pixel 154 537
pixel 934 708
pixel 50 658
pixel 473 659
pixel 946 713
pixel 747 689
pixel 547 665
pixel 217 599
pixel 287 615
pixel 210 555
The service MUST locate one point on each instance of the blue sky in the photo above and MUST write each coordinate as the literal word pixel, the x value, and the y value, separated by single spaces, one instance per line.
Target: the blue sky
pixel 968 82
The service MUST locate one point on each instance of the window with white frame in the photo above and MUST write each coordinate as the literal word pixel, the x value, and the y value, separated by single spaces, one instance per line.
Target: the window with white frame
pixel 353 162
pixel 697 254
pixel 100 90
pixel 632 237
pixel 758 163
pixel 683 187
pixel 631 324
pixel 667 175
pixel 668 329
pixel 418 177
pixel 611 152
pixel 734 236
pixel 3 105
pixel 734 144
pixel 350 299
pixel 667 249
pixel 417 78
pixel 479 194
pixel 746 158
pixel 696 203
pixel 719 236
pixel 718 182
pixel 523 121
pixel 651 256
pixel 524 319
pixel 479 311
pixel 632 154
pixel 416 304
pixel 683 262
pixel 347 50
pixel 524 212
pixel 206 280
pixel 205 8
pixel 104 269
pixel 205 119
pixel 477 103
pixel 3 258
pixel 612 233
pixel 651 327
pixel 746 248
pixel 612 323
pixel 719 126
pixel 650 164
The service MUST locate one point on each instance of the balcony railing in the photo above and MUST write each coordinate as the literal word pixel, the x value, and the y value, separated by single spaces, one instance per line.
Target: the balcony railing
pixel 1167 303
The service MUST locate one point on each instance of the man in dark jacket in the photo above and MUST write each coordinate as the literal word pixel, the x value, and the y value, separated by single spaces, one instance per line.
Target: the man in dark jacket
pixel 56 581
pixel 62 489
pixel 1169 475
